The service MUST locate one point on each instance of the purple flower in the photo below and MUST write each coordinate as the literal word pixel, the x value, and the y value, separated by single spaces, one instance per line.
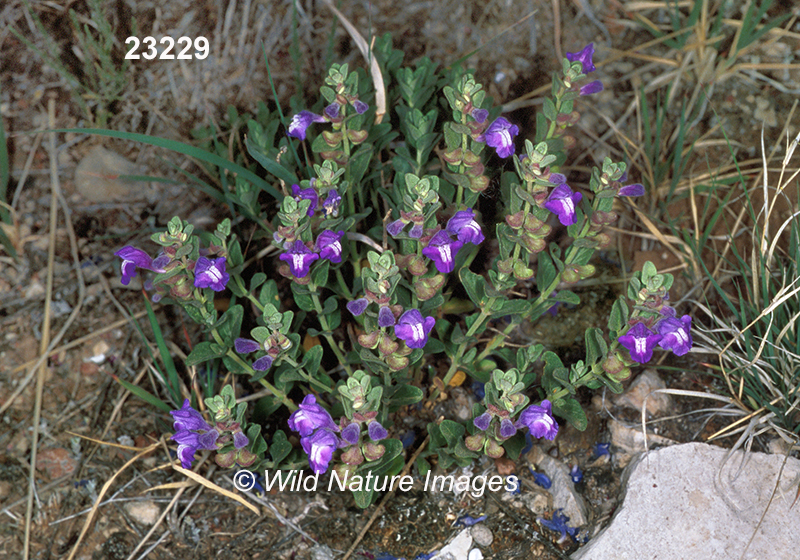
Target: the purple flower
pixel 465 228
pixel 376 431
pixel 585 58
pixel 332 202
pixel 442 251
pixel 541 479
pixel 299 258
pixel 507 428
pixel 469 521
pixel 396 227
pixel 559 524
pixel 240 440
pixel 480 115
pixel 357 306
pixel 246 346
pixel 601 449
pixel 210 274
pixel 500 135
pixel 592 87
pixel 416 231
pixel 192 433
pixel 575 474
pixel 332 111
pixel 301 121
pixel 640 342
pixel 351 432
pixel 385 317
pixel 539 420
pixel 360 106
pixel 676 334
pixel 133 258
pixel 631 190
pixel 306 194
pixel 482 422
pixel 320 447
pixel 309 417
pixel 329 245
pixel 562 202
pixel 413 329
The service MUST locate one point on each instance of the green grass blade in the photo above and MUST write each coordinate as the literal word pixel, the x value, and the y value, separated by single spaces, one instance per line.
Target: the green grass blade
pixel 183 148
pixel 173 382
pixel 145 395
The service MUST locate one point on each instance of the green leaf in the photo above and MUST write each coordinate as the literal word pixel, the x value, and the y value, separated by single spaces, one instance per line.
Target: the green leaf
pixel 566 296
pixel 319 276
pixel 546 273
pixel 514 446
pixel 618 317
pixel 549 109
pixel 302 298
pixel 204 352
pixel 230 324
pixel 359 163
pixel 280 447
pixel 402 395
pixel 571 410
pixel 452 432
pixel 312 359
pixel 475 286
pixel 596 347
pixel 272 166
pixel 512 307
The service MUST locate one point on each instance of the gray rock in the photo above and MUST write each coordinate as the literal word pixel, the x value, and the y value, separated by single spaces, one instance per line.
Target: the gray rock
pixel 679 505
pixel 321 552
pixel 482 535
pixel 458 549
pixel 631 440
pixel 644 384
pixel 563 489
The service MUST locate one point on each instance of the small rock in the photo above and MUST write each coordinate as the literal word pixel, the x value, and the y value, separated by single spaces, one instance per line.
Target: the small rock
pixel 644 384
pixel 56 462
pixel 482 535
pixel 563 490
pixel 631 440
pixel 144 513
pixel 537 503
pixel 778 446
pixel 458 549
pixel 475 554
pixel 505 466
pixel 97 177
pixel 321 552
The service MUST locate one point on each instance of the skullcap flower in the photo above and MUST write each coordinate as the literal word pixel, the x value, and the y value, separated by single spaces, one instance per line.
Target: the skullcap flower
pixel 500 136
pixel 192 433
pixel 133 258
pixel 210 274
pixel 562 202
pixel 299 258
pixel 300 123
pixel 585 58
pixel 413 329
pixel 309 417
pixel 465 228
pixel 539 420
pixel 640 342
pixel 329 245
pixel 442 251
pixel 676 334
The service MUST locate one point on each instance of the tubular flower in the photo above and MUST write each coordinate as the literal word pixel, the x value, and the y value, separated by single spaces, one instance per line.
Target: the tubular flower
pixel 539 420
pixel 442 251
pixel 562 202
pixel 585 58
pixel 482 422
pixel 320 447
pixel 385 317
pixel 413 329
pixel 133 258
pixel 306 194
pixel 300 123
pixel 329 245
pixel 592 87
pixel 635 189
pixel 310 417
pixel 210 274
pixel 357 306
pixel 500 136
pixel 192 433
pixel 376 431
pixel 676 334
pixel 331 204
pixel 640 342
pixel 465 228
pixel 299 258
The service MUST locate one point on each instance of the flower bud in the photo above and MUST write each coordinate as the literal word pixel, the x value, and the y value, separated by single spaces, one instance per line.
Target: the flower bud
pixel 373 451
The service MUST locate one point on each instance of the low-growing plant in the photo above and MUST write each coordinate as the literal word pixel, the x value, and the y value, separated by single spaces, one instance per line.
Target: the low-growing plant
pixel 380 227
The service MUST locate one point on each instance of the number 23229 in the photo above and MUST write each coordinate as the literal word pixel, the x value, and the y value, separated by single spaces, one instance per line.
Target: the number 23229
pixel 184 48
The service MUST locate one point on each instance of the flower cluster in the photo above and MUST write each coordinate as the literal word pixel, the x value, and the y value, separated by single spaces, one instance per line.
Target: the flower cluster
pixel 669 332
pixel 442 248
pixel 317 433
pixel 193 433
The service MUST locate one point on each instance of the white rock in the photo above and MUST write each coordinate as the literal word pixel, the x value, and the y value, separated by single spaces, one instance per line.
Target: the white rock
pixel 482 535
pixel 458 549
pixel 321 552
pixel 631 440
pixel 98 177
pixel 678 505
pixel 475 554
pixel 565 497
pixel 145 512
pixel 644 385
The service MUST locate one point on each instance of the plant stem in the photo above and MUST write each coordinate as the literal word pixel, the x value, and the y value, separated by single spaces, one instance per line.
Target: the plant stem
pixel 274 390
pixel 323 321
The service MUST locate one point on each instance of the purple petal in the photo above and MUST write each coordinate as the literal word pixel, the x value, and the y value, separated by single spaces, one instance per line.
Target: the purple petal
pixel 245 345
pixel 442 251
pixel 592 87
pixel 676 334
pixel 351 432
pixel 631 190
pixel 329 245
pixel 332 110
pixel 385 317
pixel 263 363
pixel 500 135
pixel 360 106
pixel 507 428
pixel 562 202
pixel 480 115
pixel 240 440
pixel 300 123
pixel 357 306
pixel 320 447
pixel 412 329
pixel 309 417
pixel 210 274
pixel 465 228
pixel 376 431
pixel 640 342
pixel 585 58
pixel 299 258
pixel 395 227
pixel 482 422
pixel 539 420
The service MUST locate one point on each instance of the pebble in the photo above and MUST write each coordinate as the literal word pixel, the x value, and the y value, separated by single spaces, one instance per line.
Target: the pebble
pixel 458 549
pixel 537 503
pixel 475 554
pixel 321 552
pixel 97 177
pixel 644 384
pixel 482 535
pixel 145 512
pixel 565 497
pixel 56 462
pixel 630 439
